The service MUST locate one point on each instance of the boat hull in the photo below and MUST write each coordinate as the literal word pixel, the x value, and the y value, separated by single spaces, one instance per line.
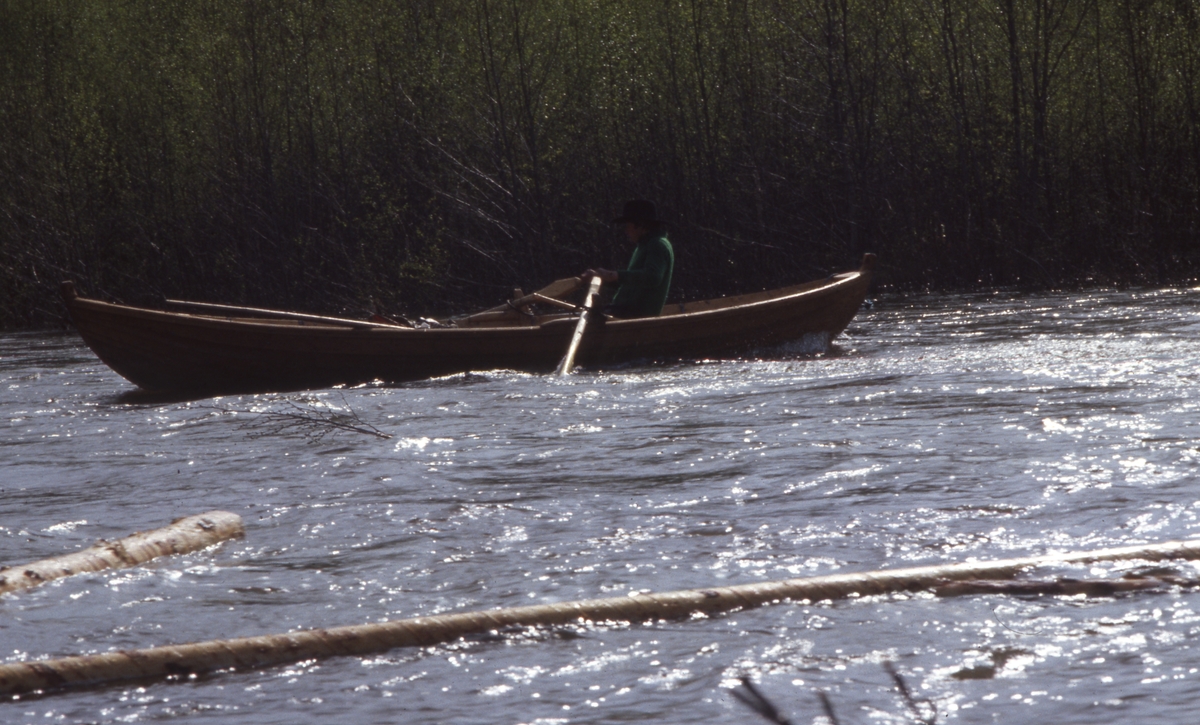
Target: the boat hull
pixel 163 351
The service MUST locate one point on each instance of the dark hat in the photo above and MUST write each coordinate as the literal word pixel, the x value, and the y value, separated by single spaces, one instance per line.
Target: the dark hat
pixel 638 211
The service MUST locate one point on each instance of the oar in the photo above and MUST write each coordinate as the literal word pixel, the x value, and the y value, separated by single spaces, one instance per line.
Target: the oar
pixel 568 361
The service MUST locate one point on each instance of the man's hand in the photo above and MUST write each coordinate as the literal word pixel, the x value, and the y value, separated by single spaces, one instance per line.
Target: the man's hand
pixel 606 275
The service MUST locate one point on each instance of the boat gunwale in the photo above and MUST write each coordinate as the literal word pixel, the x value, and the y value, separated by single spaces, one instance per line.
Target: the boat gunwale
pixel 339 325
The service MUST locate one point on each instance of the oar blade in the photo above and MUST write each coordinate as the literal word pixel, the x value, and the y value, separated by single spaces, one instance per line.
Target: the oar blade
pixel 568 362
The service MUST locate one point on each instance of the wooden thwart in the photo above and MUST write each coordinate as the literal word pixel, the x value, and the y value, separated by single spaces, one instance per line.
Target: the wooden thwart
pixel 190 533
pixel 262 651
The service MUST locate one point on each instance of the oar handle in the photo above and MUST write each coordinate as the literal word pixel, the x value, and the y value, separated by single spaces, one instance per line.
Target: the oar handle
pixel 568 361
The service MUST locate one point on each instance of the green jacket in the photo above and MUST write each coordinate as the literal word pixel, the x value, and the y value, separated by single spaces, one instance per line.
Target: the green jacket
pixel 642 287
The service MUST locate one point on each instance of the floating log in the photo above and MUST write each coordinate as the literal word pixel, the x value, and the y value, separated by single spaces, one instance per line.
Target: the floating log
pixel 183 535
pixel 1064 586
pixel 266 650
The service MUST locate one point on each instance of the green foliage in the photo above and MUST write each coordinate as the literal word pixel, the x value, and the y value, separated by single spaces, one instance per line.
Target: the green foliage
pixel 334 154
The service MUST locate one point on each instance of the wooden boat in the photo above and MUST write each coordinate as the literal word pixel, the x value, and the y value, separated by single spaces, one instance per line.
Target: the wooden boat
pixel 219 349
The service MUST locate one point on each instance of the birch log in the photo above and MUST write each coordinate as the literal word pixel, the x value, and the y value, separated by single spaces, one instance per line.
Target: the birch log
pixel 190 533
pixel 266 650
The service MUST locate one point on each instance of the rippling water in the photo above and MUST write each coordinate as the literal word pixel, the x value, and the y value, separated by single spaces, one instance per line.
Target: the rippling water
pixel 939 429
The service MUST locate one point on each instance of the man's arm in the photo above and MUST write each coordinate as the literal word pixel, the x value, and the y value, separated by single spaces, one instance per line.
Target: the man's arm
pixel 606 276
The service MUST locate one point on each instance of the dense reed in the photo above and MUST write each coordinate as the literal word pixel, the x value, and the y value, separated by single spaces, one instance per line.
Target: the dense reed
pixel 331 154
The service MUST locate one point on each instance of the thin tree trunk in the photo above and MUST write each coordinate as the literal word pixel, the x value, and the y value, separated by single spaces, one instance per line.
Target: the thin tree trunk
pixel 267 650
pixel 190 533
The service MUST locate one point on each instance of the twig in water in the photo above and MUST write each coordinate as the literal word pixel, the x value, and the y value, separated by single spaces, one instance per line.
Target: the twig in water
pixel 827 705
pixel 1002 623
pixel 913 704
pixel 758 702
pixel 312 421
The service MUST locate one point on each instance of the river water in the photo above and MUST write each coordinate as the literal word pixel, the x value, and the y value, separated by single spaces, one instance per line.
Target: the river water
pixel 937 430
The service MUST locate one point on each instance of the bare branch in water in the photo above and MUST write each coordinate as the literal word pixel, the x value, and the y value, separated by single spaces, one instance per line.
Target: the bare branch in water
pixel 923 711
pixel 914 705
pixel 312 420
pixel 827 706
pixel 751 697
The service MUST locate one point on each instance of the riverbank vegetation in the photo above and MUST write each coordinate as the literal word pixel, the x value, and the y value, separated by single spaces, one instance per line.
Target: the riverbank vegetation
pixel 330 155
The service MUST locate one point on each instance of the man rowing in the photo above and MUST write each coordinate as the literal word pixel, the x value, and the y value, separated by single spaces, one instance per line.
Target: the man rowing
pixel 642 286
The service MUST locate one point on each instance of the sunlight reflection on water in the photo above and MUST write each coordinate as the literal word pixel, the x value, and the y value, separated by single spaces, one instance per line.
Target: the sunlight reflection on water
pixel 940 429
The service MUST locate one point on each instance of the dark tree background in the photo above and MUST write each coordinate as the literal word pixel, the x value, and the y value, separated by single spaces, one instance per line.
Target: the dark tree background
pixel 433 154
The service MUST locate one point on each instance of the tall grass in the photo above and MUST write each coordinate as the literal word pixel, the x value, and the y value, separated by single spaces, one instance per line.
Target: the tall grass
pixel 329 154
